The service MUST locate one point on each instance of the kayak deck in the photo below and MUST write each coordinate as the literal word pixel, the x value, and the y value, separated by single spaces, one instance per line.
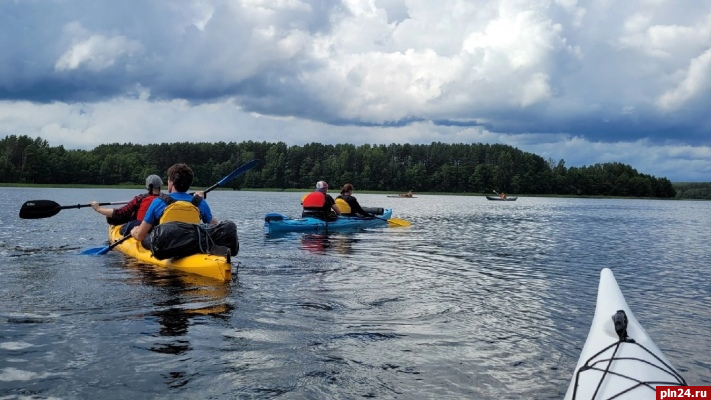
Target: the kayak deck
pixel 619 360
pixel 208 265
pixel 279 223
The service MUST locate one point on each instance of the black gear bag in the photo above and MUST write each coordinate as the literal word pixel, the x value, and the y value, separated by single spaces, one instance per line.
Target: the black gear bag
pixel 180 239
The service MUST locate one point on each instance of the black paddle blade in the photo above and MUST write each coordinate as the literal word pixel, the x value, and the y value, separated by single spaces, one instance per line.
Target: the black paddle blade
pixel 35 209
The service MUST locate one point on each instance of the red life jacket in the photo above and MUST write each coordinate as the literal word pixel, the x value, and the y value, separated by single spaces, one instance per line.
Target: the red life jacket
pixel 314 200
pixel 145 203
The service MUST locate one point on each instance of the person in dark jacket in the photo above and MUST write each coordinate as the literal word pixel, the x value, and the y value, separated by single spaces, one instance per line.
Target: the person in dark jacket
pixel 348 204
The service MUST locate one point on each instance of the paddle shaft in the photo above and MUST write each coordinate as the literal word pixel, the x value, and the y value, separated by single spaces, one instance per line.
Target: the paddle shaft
pixel 239 171
pixel 118 242
pixel 114 244
pixel 34 209
pixel 97 251
pixel 89 205
pixel 503 197
pixel 391 221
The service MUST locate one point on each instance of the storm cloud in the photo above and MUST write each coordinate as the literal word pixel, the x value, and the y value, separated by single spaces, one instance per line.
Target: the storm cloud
pixel 583 81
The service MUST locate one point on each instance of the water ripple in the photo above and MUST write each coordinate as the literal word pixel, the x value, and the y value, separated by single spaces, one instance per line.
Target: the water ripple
pixel 477 299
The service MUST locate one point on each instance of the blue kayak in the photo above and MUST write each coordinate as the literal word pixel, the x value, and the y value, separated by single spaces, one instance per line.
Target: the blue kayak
pixel 278 223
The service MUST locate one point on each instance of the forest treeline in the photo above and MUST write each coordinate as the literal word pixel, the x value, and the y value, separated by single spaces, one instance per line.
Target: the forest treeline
pixel 435 167
pixel 693 190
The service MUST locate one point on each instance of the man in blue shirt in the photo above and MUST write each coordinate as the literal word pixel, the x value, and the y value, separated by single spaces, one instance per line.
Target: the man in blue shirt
pixel 178 205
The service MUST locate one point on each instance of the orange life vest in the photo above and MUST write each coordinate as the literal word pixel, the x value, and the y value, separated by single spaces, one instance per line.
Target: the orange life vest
pixel 314 200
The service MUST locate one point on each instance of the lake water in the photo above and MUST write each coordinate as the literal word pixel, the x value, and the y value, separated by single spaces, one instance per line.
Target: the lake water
pixel 476 300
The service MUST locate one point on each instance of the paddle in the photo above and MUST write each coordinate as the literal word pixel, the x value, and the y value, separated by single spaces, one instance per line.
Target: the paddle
pixel 396 221
pixel 499 194
pixel 391 221
pixel 239 171
pixel 96 251
pixel 35 209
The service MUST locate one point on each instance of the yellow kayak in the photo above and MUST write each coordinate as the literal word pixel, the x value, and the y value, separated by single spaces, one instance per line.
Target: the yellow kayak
pixel 209 265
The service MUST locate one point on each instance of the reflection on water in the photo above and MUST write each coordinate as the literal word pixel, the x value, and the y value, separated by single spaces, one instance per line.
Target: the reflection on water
pixel 185 296
pixel 477 299
pixel 339 242
pixel 321 243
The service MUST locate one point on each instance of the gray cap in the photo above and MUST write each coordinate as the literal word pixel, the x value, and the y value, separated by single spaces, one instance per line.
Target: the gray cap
pixel 153 182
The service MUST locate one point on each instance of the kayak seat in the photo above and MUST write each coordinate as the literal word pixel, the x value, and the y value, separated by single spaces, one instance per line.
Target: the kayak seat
pixel 274 217
pixel 318 214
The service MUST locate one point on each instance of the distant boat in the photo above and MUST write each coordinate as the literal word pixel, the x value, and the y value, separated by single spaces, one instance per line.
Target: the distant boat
pixel 497 198
pixel 403 195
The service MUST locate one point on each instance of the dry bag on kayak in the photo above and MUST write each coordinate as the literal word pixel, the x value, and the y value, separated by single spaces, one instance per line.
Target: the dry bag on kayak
pixel 180 239
pixel 224 233
pixel 374 210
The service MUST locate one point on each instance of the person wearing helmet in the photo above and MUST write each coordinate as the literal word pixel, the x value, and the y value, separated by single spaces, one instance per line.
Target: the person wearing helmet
pixel 319 204
pixel 132 213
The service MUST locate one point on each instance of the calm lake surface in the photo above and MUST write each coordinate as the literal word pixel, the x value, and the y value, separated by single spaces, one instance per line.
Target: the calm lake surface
pixel 476 300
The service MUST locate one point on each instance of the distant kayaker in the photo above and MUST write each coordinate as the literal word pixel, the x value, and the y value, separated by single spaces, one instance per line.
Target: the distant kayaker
pixel 132 213
pixel 176 206
pixel 319 204
pixel 348 204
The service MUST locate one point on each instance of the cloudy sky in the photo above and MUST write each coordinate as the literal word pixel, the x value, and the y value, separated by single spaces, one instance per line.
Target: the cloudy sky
pixel 584 81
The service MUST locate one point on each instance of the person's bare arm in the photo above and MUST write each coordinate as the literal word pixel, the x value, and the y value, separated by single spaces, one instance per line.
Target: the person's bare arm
pixel 109 212
pixel 141 231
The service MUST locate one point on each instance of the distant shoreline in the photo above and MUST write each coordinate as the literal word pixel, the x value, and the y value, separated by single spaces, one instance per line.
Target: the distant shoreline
pixel 305 190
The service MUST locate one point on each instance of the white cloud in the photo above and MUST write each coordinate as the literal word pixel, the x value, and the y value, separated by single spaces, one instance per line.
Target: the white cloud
pixel 696 79
pixel 596 73
pixel 536 90
pixel 96 52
